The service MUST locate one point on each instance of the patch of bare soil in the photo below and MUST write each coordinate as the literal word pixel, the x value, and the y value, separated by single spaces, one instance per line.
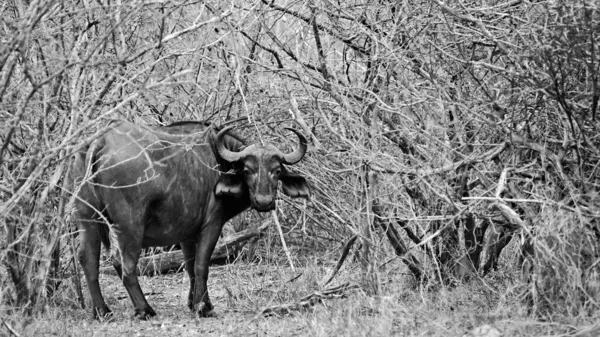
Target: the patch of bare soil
pixel 231 288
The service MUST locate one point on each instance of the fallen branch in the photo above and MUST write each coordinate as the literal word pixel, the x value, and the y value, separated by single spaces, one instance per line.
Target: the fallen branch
pixel 309 300
pixel 340 262
pixel 395 240
pixel 162 263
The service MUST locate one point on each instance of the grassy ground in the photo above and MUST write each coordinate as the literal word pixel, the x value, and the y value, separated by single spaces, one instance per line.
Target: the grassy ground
pixel 240 291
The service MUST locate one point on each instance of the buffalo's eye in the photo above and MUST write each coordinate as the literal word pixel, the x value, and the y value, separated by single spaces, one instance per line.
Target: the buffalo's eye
pixel 277 173
pixel 247 172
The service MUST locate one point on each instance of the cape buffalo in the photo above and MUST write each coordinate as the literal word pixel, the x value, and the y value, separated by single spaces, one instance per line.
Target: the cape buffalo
pixel 156 186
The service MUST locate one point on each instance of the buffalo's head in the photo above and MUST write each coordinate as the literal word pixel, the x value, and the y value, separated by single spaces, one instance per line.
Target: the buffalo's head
pixel 256 169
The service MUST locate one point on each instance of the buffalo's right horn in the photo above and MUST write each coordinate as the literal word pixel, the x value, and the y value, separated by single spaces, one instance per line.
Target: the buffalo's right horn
pixel 224 153
pixel 295 156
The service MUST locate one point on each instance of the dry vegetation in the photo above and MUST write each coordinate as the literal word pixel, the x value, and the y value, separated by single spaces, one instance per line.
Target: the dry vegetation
pixel 455 158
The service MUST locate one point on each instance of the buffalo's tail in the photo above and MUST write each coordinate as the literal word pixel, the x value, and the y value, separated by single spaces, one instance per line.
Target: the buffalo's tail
pixel 85 170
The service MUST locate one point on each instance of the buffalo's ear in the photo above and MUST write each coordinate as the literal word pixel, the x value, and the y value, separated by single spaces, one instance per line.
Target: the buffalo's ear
pixel 229 185
pixel 294 185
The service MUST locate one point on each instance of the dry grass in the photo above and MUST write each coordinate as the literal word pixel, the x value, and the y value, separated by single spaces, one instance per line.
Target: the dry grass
pixel 240 291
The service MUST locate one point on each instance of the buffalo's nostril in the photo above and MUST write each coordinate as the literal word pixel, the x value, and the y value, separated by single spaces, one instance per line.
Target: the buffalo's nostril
pixel 264 203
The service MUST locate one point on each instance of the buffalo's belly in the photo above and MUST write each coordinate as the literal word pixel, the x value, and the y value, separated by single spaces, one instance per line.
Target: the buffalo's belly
pixel 171 222
pixel 166 234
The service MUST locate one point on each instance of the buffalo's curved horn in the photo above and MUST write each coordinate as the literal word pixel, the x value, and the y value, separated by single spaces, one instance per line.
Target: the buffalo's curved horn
pixel 224 153
pixel 295 156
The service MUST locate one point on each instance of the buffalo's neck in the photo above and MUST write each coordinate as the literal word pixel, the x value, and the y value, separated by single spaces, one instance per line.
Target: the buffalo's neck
pixel 233 206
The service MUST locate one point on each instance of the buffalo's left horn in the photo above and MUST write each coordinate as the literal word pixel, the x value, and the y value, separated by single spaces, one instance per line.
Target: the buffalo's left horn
pixel 224 153
pixel 295 156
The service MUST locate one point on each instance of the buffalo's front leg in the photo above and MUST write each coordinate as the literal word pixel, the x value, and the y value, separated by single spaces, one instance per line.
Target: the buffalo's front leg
pixel 204 249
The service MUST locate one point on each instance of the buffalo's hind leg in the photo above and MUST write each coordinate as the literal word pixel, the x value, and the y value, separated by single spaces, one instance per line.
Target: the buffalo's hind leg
pixel 189 255
pixel 129 253
pixel 92 230
pixel 89 258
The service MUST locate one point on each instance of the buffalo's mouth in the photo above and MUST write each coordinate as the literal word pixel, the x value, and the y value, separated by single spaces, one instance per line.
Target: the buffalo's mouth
pixel 263 207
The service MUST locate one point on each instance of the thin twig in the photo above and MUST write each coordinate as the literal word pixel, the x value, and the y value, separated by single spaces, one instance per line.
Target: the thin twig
pixel 12 331
pixel 283 244
pixel 297 116
pixel 309 300
pixel 502 182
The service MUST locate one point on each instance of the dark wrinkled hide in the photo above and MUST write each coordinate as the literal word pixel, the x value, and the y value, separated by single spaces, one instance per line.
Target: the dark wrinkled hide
pixel 162 186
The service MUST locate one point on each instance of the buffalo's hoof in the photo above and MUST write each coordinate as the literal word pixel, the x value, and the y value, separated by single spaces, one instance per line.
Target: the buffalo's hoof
pixel 144 314
pixel 102 314
pixel 206 309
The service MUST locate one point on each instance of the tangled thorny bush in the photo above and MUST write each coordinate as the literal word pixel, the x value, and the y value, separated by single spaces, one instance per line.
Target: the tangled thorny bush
pixel 449 129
